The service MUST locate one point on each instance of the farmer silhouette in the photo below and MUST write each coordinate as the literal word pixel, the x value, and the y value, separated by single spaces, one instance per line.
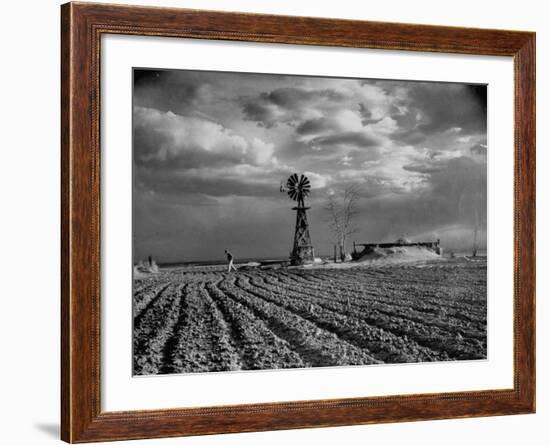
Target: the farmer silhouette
pixel 230 261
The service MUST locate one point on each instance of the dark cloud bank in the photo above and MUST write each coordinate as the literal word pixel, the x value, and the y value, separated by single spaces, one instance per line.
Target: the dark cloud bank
pixel 211 148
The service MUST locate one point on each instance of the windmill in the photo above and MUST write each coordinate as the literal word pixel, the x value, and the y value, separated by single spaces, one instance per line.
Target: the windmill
pixel 298 189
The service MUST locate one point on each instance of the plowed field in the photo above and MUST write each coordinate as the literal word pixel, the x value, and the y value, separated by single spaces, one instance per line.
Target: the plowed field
pixel 203 319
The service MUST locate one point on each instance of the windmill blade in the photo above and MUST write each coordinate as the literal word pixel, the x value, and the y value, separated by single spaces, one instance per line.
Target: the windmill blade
pixel 293 180
pixel 304 183
pixel 298 187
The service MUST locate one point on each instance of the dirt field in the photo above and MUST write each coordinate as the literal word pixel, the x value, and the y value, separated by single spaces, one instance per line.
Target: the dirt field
pixel 206 320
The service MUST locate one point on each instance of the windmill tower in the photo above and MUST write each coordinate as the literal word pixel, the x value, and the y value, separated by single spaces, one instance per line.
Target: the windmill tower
pixel 298 189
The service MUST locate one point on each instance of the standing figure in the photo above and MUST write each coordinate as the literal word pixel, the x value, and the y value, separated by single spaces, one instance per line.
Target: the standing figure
pixel 230 261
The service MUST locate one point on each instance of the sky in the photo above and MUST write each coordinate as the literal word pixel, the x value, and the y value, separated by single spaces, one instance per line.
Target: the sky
pixel 210 150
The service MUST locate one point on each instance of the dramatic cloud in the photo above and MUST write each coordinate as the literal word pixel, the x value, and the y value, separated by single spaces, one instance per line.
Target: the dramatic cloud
pixel 430 110
pixel 211 148
pixel 289 105
pixel 349 138
pixel 167 140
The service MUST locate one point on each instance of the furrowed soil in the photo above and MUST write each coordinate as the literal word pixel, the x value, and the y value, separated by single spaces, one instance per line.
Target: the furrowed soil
pixel 203 319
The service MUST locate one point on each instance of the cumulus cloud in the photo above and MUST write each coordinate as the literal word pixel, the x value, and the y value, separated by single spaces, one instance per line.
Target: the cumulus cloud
pixel 168 140
pixel 317 180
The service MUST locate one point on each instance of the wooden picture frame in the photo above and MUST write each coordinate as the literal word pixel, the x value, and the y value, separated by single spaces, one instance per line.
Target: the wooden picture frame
pixel 82 25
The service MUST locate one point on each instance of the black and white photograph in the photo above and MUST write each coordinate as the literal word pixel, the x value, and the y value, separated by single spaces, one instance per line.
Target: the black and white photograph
pixel 285 221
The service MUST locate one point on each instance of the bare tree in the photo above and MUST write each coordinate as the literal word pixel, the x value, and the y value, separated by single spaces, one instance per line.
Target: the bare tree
pixel 342 212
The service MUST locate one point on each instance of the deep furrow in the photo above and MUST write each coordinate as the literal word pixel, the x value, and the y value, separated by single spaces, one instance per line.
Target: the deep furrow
pixel 373 288
pixel 200 340
pixel 344 305
pixel 226 327
pixel 172 342
pixel 423 310
pixel 316 346
pixel 381 343
pixel 260 347
pixel 455 346
pixel 329 293
pixel 153 330
pixel 142 306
